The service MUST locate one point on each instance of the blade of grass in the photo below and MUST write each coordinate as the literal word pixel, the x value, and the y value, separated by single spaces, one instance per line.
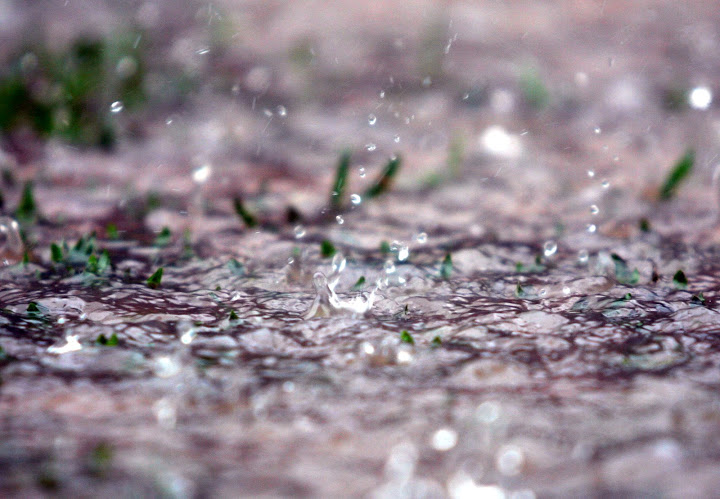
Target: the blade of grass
pixel 247 217
pixel 337 194
pixel 680 171
pixel 385 180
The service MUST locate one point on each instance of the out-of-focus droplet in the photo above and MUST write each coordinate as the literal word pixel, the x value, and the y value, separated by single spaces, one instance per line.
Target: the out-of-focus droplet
pixel 371 146
pixel 509 460
pixel 583 256
pixel 389 267
pixel 166 366
pixel 396 139
pixel 594 210
pixel 549 248
pixel 338 263
pixel 488 412
pixel 591 173
pixel 700 98
pixel 605 184
pixel 421 238
pixel 299 231
pixel 116 107
pixel 339 219
pixel 382 94
pixel 355 199
pixel 201 174
pixel 11 245
pixel 444 439
pixel 372 119
pixel 361 172
pixel 591 228
pixel 281 111
pixel 597 130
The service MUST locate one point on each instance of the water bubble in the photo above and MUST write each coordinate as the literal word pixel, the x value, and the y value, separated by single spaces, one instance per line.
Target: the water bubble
pixel 361 172
pixel 583 256
pixel 201 174
pixel 372 119
pixel 299 231
pixel 421 238
pixel 509 460
pixel 355 199
pixel 700 98
pixel 605 183
pixel 591 173
pixel 444 439
pixel 116 107
pixel 339 219
pixel 597 130
pixel 389 267
pixel 11 245
pixel 594 210
pixel 396 139
pixel 549 248
pixel 282 111
pixel 371 146
pixel 591 228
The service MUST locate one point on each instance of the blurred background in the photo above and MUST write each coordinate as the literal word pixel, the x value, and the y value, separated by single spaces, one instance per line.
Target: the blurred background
pixel 540 102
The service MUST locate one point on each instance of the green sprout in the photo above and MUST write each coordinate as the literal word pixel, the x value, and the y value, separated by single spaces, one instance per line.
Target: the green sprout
pixel 436 341
pixel 406 337
pixel 359 284
pixel 327 249
pixel 236 267
pixel 680 171
pixel 385 180
pixel 154 280
pixel 26 211
pixel 163 238
pixel 622 272
pixel 104 341
pixel 337 194
pixel 680 280
pixel 247 217
pixel 446 267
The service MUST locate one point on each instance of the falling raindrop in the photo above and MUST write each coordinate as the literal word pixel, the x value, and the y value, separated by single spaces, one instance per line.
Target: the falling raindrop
pixel 421 238
pixel 605 183
pixel 549 248
pixel 116 107
pixel 583 256
pixel 594 210
pixel 597 130
pixel 299 231
pixel 382 94
pixel 338 263
pixel 700 98
pixel 591 173
pixel 389 267
pixel 370 146
pixel 396 139
pixel 201 174
pixel 444 439
pixel 355 199
pixel 372 119
pixel 339 219
pixel 403 252
pixel 282 111
pixel 11 245
pixel 361 172
pixel 591 228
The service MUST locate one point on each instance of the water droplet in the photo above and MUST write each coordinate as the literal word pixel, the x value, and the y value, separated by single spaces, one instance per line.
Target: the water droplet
pixel 71 344
pixel 165 412
pixel 116 107
pixel 509 460
pixel 169 121
pixel 605 183
pixel 444 439
pixel 372 119
pixel 566 290
pixel 542 292
pixel 591 173
pixel 396 139
pixel 389 267
pixel 597 130
pixel 488 412
pixel 361 172
pixel 421 238
pixel 403 253
pixel 267 113
pixel 338 263
pixel 203 51
pixel 339 219
pixel 700 98
pixel 355 199
pixel 616 158
pixel 382 94
pixel 427 81
pixel 549 248
pixel 367 348
pixel 299 231
pixel 11 245
pixel 282 111
pixel 594 210
pixel 583 256
pixel 370 146
pixel 404 356
pixel 201 174
pixel 186 331
pixel 591 228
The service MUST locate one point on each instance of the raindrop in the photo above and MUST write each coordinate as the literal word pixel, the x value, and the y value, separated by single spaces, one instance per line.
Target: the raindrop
pixel 339 219
pixel 591 228
pixel 403 253
pixel 396 139
pixel 338 263
pixel 201 174
pixel 488 412
pixel 404 356
pixel 116 107
pixel 355 199
pixel 267 113
pixel 361 172
pixel 372 119
pixel 299 231
pixel 700 98
pixel 389 267
pixel 444 439
pixel 591 173
pixel 282 111
pixel 427 81
pixel 370 146
pixel 549 248
pixel 594 210
pixel 382 94
pixel 11 245
pixel 166 366
pixel 202 51
pixel 583 256
pixel 509 460
pixel 605 183
pixel 597 130
pixel 421 238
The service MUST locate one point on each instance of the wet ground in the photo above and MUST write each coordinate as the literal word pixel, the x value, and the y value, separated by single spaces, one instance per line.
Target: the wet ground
pixel 515 313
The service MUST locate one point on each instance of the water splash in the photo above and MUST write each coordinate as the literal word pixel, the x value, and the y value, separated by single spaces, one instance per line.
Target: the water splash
pixel 11 245
pixel 327 303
